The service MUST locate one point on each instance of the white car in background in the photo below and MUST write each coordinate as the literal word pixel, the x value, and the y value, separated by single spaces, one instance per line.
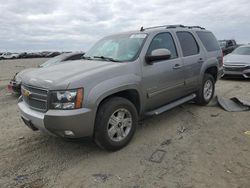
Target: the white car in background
pixel 238 62
pixel 9 55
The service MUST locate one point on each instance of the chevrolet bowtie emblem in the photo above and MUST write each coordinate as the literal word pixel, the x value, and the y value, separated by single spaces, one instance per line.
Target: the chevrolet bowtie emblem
pixel 26 93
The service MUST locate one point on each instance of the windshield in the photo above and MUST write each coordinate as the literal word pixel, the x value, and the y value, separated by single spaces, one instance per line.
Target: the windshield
pixel 222 44
pixel 53 61
pixel 124 47
pixel 242 51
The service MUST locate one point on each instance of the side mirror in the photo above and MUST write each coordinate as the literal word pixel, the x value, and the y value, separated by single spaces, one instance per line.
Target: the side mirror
pixel 157 55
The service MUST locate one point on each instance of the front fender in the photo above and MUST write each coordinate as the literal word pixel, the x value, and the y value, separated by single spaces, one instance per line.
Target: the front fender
pixel 112 86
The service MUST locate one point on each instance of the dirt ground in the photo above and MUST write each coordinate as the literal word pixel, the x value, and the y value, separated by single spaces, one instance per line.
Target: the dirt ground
pixel 189 146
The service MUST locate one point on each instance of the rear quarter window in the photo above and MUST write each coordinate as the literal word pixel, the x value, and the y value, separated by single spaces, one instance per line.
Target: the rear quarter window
pixel 208 40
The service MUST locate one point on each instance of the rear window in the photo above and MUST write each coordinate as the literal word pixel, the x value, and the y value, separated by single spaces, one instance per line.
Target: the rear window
pixel 208 40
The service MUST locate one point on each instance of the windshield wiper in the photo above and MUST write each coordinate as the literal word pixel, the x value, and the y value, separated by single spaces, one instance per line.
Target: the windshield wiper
pixel 107 58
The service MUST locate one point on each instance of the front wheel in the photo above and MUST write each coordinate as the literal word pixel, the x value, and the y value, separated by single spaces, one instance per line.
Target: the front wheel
pixel 115 124
pixel 206 92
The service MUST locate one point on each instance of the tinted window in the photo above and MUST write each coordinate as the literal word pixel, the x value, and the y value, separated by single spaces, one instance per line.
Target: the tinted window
pixel 230 43
pixel 188 43
pixel 163 40
pixel 208 40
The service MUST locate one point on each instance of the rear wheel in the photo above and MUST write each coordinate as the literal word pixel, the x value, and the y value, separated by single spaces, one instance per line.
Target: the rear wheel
pixel 206 92
pixel 115 124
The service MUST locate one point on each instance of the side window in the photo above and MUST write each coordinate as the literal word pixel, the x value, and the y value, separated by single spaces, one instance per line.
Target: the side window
pixel 230 43
pixel 188 44
pixel 209 41
pixel 163 40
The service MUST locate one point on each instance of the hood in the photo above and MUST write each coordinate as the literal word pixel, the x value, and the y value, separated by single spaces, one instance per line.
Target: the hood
pixel 18 77
pixel 62 75
pixel 237 59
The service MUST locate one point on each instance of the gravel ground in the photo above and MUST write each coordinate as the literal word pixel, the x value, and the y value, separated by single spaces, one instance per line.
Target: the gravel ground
pixel 189 146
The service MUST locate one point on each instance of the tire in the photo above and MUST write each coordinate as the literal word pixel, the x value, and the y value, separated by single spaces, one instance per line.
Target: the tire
pixel 112 132
pixel 203 97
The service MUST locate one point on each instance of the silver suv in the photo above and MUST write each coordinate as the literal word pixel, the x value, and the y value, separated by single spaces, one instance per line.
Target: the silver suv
pixel 121 78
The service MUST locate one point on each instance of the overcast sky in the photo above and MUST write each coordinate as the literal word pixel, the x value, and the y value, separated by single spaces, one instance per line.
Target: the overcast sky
pixel 32 25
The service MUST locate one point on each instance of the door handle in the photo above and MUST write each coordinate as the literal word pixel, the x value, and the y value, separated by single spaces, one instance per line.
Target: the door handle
pixel 177 66
pixel 200 60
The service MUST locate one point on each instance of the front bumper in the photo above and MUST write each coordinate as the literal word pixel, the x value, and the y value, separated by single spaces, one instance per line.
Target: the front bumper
pixel 80 121
pixel 220 73
pixel 235 71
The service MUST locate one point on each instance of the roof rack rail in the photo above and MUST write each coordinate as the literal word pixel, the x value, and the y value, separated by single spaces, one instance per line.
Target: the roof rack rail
pixel 195 26
pixel 174 26
pixel 171 27
pixel 166 26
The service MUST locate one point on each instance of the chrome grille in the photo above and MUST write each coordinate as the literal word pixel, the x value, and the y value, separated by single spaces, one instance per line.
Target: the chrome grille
pixel 36 98
pixel 239 68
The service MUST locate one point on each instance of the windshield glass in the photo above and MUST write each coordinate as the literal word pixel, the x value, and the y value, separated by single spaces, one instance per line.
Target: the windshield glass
pixel 222 44
pixel 242 51
pixel 124 47
pixel 53 60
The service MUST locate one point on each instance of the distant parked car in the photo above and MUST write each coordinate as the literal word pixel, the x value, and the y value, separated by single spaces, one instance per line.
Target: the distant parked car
pixel 238 62
pixel 33 55
pixel 227 46
pixel 9 55
pixel 23 55
pixel 15 84
pixel 53 54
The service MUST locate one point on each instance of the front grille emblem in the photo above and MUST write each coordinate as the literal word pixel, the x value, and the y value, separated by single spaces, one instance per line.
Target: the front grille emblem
pixel 26 93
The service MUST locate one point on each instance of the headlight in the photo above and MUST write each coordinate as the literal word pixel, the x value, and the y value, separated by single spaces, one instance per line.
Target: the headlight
pixel 66 100
pixel 18 78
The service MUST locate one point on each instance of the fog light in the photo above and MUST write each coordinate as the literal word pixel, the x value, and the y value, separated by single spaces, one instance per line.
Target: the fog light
pixel 69 133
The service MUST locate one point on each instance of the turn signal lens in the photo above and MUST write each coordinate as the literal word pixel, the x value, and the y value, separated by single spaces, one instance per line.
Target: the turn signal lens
pixel 79 98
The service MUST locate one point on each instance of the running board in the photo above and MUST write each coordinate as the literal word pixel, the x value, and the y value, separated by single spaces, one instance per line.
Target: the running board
pixel 171 105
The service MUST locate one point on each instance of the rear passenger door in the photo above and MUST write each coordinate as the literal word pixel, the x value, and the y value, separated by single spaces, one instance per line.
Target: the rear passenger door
pixel 192 57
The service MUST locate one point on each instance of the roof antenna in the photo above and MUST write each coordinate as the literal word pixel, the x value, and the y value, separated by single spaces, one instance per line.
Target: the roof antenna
pixel 142 29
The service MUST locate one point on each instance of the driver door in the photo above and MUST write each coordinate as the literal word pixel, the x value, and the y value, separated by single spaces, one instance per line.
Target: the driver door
pixel 163 81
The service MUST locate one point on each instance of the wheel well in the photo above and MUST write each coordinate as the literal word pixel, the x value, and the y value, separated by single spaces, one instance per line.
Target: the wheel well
pixel 132 95
pixel 213 71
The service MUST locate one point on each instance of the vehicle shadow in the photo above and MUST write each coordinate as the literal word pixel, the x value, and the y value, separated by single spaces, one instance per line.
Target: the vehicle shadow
pixel 231 78
pixel 78 147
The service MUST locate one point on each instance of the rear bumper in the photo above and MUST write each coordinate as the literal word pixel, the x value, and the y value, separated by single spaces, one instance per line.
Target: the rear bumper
pixel 56 122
